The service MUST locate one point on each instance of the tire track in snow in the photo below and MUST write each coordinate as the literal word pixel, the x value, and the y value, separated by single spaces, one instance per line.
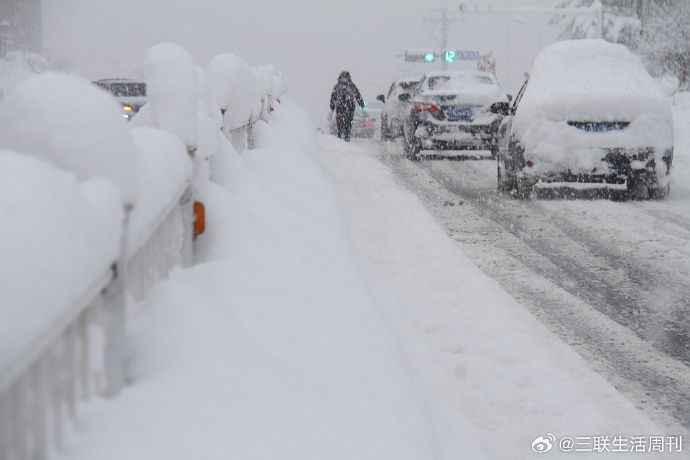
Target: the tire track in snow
pixel 613 287
pixel 623 289
pixel 672 217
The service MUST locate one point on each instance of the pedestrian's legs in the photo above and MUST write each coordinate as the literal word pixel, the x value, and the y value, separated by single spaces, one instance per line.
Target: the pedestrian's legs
pixel 340 118
pixel 347 126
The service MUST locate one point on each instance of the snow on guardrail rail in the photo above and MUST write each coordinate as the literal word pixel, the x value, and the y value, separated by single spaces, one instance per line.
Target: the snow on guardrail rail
pixel 94 211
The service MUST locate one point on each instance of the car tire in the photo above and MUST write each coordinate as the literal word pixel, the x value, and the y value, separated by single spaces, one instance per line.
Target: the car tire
pixel 385 135
pixel 523 190
pixel 504 184
pixel 411 149
pixel 659 193
pixel 638 188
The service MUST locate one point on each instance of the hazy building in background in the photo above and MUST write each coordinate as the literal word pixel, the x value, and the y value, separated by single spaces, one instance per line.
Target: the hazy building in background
pixel 20 26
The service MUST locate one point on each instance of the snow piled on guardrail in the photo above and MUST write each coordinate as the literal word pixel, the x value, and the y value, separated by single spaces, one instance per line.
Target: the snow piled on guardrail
pixel 58 235
pixel 234 88
pixel 70 123
pixel 73 165
pixel 269 347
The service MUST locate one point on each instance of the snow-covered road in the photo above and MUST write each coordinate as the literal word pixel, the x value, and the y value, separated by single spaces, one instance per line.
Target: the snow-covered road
pixel 611 278
pixel 330 315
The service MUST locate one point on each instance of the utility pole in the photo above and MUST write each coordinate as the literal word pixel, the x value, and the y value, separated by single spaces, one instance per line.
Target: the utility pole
pixel 4 27
pixel 443 22
pixel 643 12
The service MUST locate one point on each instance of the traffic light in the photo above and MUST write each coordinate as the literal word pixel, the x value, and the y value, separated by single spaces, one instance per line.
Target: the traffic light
pixel 450 56
pixel 420 55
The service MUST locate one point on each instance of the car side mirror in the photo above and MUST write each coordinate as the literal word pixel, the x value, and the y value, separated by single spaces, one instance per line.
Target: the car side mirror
pixel 510 98
pixel 500 108
pixel 381 98
pixel 405 97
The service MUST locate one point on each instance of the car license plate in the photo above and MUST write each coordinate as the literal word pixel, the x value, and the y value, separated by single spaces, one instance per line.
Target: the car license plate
pixel 460 112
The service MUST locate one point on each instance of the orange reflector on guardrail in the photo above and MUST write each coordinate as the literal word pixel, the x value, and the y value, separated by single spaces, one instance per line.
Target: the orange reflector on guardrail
pixel 199 218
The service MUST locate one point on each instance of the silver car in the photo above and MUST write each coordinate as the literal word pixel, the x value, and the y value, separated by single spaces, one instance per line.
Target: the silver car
pixel 395 106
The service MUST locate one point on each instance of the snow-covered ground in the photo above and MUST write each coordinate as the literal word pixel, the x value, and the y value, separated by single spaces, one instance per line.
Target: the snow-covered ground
pixel 330 316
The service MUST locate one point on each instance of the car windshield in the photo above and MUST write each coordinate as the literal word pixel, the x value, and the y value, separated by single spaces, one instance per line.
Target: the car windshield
pixel 409 85
pixel 436 82
pixel 128 89
pixel 374 105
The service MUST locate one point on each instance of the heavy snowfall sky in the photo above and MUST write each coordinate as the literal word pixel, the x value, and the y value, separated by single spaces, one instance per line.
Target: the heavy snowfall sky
pixel 311 41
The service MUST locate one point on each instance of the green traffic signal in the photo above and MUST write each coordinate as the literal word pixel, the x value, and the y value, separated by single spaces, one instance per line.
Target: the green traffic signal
pixel 450 56
pixel 429 57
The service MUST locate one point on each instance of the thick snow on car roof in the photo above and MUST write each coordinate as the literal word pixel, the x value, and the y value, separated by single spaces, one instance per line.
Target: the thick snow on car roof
pixel 591 79
pixel 408 80
pixel 459 73
pixel 472 87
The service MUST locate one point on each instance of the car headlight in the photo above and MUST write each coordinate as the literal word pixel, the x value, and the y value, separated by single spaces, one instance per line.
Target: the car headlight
pixel 127 111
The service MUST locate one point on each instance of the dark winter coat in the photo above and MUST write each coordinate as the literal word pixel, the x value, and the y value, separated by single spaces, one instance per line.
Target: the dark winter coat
pixel 345 95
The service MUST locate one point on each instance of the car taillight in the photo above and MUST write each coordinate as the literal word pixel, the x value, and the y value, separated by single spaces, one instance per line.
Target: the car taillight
pixel 366 123
pixel 424 107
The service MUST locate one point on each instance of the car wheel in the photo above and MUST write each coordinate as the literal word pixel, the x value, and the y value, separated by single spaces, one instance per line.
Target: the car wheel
pixel 505 185
pixel 659 193
pixel 523 189
pixel 638 188
pixel 411 149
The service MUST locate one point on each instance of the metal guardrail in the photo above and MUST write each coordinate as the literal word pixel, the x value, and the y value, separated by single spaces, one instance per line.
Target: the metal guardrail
pixel 242 137
pixel 82 354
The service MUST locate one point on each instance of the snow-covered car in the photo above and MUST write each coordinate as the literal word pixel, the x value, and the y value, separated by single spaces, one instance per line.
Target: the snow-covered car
pixel 589 116
pixel 453 112
pixel 131 94
pixel 395 106
pixel 363 123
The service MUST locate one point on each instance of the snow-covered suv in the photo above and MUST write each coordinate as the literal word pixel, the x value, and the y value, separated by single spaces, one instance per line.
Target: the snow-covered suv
pixel 589 116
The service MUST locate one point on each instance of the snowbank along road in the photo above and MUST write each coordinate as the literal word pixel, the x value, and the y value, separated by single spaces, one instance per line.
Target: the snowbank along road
pixel 611 278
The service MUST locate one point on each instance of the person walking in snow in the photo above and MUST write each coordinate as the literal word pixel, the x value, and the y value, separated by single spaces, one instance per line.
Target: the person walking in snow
pixel 343 99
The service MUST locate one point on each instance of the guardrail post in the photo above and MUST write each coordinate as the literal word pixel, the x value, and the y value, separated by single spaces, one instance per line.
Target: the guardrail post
pixel 187 207
pixel 250 132
pixel 113 319
pixel 113 323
